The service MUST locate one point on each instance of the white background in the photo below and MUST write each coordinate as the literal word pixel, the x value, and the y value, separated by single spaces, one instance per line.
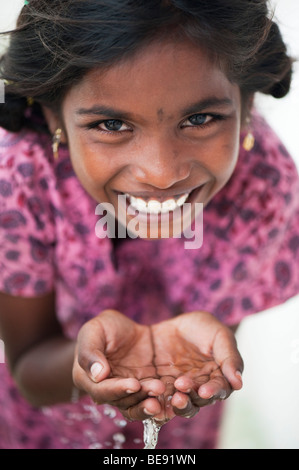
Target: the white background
pixel 265 414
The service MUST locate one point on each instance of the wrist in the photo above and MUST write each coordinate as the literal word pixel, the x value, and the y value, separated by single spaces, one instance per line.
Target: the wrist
pixel 44 373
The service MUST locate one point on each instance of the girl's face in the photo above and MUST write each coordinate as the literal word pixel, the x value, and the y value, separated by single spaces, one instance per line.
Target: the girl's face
pixel 162 128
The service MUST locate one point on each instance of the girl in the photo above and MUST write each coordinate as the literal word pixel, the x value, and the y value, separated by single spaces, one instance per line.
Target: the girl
pixel 145 107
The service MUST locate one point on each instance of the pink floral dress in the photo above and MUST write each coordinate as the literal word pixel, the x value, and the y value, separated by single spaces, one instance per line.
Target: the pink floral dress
pixel 249 262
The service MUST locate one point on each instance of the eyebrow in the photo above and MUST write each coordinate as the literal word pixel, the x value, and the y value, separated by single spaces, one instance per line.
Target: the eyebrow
pixel 100 110
pixel 112 113
pixel 212 102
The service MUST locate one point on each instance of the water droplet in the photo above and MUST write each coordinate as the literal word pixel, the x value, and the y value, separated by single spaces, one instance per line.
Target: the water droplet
pixel 109 411
pixel 121 423
pixel 119 439
pixel 95 445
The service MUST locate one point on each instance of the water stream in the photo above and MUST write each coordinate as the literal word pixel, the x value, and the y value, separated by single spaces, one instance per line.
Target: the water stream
pixel 150 433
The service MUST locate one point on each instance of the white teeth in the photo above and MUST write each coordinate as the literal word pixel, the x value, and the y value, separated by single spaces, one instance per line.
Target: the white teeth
pixel 169 205
pixel 182 200
pixel 155 207
pixel 137 203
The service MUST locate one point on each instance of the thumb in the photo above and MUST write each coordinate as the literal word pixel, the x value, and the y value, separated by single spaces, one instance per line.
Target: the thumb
pixel 91 344
pixel 99 369
pixel 227 355
pixel 232 369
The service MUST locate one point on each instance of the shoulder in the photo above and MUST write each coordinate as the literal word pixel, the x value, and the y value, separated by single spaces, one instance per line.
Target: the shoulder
pixel 266 172
pixel 269 159
pixel 26 175
pixel 27 165
pixel 253 227
pixel 26 221
pixel 24 155
pixel 262 194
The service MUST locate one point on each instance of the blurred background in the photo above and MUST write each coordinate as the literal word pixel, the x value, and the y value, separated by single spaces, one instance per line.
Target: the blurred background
pixel 265 413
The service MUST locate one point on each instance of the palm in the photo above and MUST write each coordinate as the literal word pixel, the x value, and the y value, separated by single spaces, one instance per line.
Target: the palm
pixel 129 348
pixel 128 377
pixel 173 361
pixel 184 348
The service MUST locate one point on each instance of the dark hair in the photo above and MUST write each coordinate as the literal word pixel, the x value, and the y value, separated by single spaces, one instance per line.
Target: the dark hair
pixel 56 42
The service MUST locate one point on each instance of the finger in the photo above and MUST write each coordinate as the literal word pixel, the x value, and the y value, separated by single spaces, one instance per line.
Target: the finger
pixel 114 389
pixel 189 388
pixel 153 388
pixel 180 400
pixel 184 384
pixel 165 400
pixel 125 393
pixel 232 370
pixel 91 349
pixel 216 388
pixel 144 410
pixel 183 405
pixel 228 357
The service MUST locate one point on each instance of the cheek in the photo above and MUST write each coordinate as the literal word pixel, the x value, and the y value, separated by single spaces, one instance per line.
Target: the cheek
pixel 219 163
pixel 89 164
pixel 228 159
pixel 225 155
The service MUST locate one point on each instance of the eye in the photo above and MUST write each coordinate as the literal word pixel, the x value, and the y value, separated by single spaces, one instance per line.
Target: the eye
pixel 113 125
pixel 199 120
pixel 109 126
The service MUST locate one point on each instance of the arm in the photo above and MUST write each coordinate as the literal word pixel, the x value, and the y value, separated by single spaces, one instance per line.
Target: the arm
pixel 38 354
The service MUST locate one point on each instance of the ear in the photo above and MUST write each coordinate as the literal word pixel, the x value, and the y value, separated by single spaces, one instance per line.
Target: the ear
pixel 54 122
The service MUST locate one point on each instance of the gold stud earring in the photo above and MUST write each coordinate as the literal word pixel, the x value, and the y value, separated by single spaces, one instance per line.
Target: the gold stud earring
pixel 30 101
pixel 249 140
pixel 56 142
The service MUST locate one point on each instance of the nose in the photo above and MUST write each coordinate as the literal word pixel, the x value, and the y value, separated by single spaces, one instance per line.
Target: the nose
pixel 161 163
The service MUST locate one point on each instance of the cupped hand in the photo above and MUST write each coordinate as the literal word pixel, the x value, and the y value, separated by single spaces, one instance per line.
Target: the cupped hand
pixel 197 357
pixel 171 368
pixel 114 364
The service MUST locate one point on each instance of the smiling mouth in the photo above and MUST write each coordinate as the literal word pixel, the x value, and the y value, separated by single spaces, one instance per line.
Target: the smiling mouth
pixel 161 205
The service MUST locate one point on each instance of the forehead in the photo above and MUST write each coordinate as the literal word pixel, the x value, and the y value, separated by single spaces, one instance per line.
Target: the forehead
pixel 160 75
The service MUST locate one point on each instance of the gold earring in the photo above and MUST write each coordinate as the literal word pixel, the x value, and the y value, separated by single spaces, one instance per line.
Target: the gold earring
pixel 56 142
pixel 249 140
pixel 30 101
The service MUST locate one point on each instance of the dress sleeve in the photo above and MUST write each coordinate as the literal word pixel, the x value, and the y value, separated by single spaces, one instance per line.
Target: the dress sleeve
pixel 26 226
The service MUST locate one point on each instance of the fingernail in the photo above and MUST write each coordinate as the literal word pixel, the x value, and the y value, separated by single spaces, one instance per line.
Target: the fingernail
pixel 147 412
pixel 96 370
pixel 182 406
